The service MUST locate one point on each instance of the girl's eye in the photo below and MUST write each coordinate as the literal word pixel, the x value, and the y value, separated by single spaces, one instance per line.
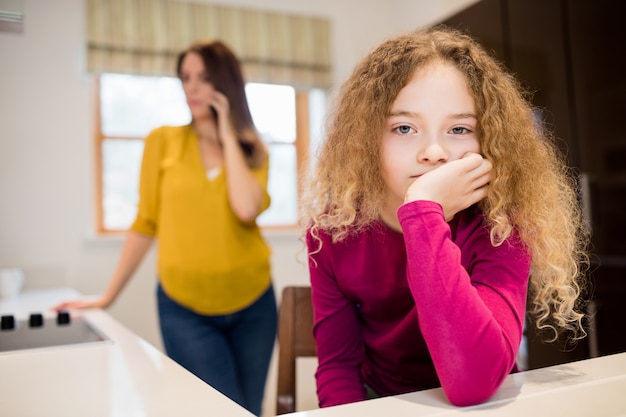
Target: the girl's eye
pixel 459 130
pixel 404 129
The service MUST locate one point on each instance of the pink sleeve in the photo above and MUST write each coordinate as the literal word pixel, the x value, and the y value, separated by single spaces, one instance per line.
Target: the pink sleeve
pixel 340 350
pixel 471 319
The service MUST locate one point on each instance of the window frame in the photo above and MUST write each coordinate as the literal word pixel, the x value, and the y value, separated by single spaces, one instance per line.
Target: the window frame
pixel 301 143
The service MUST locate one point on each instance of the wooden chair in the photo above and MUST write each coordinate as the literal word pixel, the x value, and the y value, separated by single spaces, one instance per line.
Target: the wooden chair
pixel 295 339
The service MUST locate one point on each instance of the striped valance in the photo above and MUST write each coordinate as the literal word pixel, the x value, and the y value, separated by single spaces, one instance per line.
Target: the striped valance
pixel 145 37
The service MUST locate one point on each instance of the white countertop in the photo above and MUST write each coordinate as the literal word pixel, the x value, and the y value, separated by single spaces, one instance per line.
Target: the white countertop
pixel 590 388
pixel 128 377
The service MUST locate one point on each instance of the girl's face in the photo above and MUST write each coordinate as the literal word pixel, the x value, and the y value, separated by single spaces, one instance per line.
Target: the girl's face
pixel 198 90
pixel 431 122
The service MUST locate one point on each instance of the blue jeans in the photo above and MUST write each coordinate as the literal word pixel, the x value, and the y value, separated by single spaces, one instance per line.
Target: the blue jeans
pixel 230 352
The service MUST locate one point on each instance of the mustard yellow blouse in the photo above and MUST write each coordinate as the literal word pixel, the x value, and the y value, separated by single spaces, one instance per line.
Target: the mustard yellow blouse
pixel 208 260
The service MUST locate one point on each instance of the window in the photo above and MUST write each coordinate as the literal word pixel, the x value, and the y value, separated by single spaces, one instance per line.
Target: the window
pixel 129 107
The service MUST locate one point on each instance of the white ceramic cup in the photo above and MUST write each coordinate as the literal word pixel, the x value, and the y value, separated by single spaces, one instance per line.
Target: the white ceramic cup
pixel 11 282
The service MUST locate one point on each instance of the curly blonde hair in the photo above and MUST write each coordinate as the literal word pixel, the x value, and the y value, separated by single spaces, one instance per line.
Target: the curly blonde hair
pixel 532 191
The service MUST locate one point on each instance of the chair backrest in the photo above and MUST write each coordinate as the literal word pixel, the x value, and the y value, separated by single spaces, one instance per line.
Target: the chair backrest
pixel 295 339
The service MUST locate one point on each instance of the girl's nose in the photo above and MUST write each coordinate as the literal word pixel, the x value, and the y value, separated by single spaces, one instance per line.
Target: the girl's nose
pixel 432 152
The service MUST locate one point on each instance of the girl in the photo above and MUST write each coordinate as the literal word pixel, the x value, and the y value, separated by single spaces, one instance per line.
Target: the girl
pixel 435 198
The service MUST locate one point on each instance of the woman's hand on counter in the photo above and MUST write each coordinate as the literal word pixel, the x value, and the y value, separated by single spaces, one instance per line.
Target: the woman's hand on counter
pixel 83 303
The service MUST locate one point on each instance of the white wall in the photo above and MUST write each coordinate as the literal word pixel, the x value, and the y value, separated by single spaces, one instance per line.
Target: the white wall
pixel 47 156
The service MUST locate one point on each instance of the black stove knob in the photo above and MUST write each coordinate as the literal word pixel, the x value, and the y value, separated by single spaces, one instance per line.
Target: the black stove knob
pixel 35 320
pixel 7 322
pixel 63 318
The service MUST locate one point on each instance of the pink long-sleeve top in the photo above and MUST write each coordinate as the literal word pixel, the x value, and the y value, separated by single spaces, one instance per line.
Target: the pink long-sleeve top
pixel 436 305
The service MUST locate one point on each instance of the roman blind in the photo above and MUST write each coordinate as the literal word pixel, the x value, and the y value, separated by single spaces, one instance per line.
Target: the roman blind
pixel 144 37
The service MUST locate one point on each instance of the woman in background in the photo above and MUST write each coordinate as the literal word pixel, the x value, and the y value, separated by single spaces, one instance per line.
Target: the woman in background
pixel 202 187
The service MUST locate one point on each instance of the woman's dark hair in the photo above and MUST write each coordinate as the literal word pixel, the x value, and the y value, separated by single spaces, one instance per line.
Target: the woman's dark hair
pixel 223 70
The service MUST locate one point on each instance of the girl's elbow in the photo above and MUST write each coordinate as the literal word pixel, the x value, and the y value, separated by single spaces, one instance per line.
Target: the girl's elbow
pixel 466 399
pixel 478 382
pixel 472 391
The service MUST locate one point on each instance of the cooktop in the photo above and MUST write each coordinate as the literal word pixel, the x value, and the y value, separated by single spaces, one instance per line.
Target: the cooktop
pixel 40 332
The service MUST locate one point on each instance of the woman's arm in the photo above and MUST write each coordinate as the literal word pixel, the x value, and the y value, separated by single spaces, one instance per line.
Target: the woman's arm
pixel 135 248
pixel 245 193
pixel 141 234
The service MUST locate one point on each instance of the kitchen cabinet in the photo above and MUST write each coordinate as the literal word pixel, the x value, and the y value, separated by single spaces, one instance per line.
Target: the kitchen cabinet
pixel 571 54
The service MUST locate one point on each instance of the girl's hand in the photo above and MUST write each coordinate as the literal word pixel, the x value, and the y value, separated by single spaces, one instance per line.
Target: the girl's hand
pixel 220 103
pixel 455 185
